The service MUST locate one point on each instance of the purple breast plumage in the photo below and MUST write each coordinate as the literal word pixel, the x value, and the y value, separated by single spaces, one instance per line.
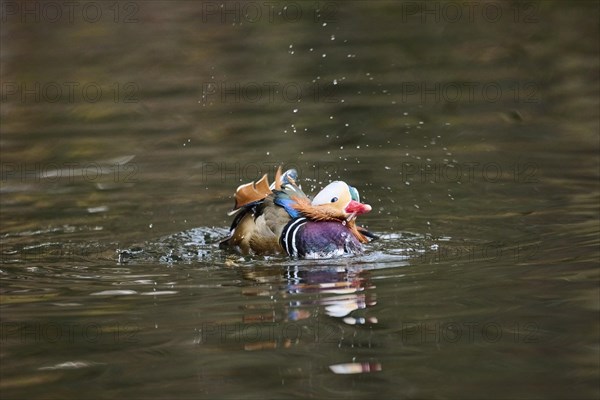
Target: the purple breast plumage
pixel 304 238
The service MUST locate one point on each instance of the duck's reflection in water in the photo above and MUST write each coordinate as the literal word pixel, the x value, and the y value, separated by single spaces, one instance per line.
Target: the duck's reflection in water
pixel 304 306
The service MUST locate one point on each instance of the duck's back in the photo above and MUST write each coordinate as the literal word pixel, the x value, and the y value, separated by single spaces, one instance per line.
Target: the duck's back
pixel 258 229
pixel 261 214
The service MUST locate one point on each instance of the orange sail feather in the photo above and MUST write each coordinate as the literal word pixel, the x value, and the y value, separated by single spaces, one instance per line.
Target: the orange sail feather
pixel 255 191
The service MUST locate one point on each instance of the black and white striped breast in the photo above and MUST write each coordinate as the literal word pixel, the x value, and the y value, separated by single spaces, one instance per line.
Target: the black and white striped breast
pixel 289 236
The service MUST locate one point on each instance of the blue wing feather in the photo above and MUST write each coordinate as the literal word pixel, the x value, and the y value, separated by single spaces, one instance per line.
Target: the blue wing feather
pixel 283 200
pixel 283 197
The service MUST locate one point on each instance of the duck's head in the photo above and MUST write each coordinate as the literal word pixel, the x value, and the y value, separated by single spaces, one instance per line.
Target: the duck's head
pixel 340 201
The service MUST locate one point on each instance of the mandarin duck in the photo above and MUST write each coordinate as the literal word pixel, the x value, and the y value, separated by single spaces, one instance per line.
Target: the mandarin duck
pixel 281 219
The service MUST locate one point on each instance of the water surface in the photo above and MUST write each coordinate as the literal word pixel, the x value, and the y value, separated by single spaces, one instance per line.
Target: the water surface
pixel 475 141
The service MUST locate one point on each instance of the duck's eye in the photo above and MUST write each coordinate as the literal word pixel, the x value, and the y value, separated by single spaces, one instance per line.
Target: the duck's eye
pixel 333 200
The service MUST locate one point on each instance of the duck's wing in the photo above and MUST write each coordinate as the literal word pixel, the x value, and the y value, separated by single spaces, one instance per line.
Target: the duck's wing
pixel 256 228
pixel 289 195
pixel 261 211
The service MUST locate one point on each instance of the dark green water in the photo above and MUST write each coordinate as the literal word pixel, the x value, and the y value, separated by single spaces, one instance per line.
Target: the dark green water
pixel 471 130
